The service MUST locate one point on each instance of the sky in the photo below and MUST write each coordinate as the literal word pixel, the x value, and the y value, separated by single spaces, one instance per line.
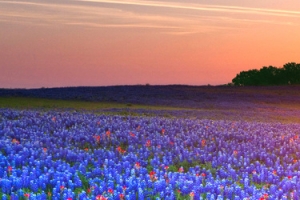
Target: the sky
pixel 61 43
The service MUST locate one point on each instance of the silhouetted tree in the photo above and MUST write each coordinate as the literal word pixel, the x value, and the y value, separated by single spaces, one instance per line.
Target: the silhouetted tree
pixel 247 78
pixel 289 74
pixel 267 75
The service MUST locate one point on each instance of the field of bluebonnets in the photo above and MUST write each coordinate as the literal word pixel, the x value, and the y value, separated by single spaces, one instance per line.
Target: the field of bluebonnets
pixel 233 143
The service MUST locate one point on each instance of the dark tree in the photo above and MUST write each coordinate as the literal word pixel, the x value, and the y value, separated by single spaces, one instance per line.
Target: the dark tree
pixel 289 74
pixel 267 75
pixel 247 78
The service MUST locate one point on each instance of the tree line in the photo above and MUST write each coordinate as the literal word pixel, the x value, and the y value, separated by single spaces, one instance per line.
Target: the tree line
pixel 289 74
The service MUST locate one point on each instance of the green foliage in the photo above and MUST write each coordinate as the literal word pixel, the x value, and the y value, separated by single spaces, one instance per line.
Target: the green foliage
pixel 173 168
pixel 288 75
pixel 101 107
pixel 180 196
pixel 258 186
pixel 84 181
pixel 124 145
pixel 149 168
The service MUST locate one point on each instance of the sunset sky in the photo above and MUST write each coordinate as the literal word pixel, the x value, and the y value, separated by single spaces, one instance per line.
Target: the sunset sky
pixel 113 42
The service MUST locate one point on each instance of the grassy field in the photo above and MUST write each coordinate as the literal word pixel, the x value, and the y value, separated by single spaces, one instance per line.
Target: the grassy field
pixel 38 103
pixel 33 103
pixel 274 112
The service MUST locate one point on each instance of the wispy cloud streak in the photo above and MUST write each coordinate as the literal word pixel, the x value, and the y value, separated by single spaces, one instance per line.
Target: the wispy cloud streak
pixel 93 13
pixel 73 14
pixel 201 7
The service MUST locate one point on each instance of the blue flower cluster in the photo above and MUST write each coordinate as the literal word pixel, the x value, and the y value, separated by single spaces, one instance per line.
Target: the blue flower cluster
pixel 81 155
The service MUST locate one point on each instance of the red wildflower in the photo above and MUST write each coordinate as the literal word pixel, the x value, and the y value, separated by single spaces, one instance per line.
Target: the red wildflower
pixel 180 169
pixel 203 143
pixel 124 188
pixel 152 175
pixel 132 134
pixel 120 150
pixel 62 187
pixel 97 138
pixel 235 152
pixel 163 131
pixel 100 197
pixel 9 169
pixel 15 141
pixel 192 194
pixel 148 143
pixel 27 195
pixel 107 133
pixel 137 165
pixel 290 177
pixel 265 196
pixel 121 196
pixel 111 191
pixel 203 174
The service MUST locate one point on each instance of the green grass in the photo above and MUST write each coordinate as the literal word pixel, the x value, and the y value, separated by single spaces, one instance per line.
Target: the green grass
pixel 39 103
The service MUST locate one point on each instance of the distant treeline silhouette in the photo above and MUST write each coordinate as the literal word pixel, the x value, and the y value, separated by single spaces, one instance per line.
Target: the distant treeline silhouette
pixel 289 74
